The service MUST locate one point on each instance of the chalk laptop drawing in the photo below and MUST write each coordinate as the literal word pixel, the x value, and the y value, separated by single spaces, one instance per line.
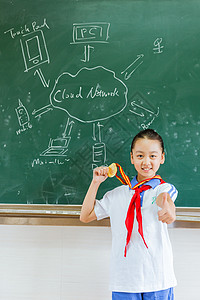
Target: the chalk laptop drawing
pixel 57 147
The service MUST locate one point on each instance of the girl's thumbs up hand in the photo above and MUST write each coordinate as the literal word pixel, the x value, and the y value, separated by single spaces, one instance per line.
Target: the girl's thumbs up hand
pixel 167 214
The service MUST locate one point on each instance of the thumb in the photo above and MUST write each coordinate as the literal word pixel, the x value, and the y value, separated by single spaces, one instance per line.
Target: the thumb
pixel 164 200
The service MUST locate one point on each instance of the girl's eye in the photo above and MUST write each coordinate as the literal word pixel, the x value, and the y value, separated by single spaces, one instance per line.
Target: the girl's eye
pixel 139 155
pixel 153 156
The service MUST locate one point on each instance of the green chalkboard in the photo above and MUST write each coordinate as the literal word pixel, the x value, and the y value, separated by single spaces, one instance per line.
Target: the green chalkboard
pixel 78 79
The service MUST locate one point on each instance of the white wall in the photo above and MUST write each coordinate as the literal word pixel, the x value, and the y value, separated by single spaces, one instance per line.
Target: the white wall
pixel 72 263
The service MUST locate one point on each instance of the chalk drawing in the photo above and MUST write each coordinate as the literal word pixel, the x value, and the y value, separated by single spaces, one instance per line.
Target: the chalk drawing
pixel 99 148
pixel 89 95
pixel 99 155
pixel 158 48
pixel 68 128
pixel 133 67
pixel 59 146
pixel 43 110
pixel 25 29
pixel 76 99
pixel 34 50
pixel 99 131
pixel 96 32
pixel 42 162
pixel 87 51
pixel 133 103
pixel 23 118
pixel 41 76
pixel 144 111
pixel 146 126
pixel 84 33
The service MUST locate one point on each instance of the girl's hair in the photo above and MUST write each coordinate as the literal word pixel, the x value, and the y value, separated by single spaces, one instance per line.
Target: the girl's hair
pixel 148 134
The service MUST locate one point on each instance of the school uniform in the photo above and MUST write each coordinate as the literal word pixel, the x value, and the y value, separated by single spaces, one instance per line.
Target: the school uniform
pixel 143 270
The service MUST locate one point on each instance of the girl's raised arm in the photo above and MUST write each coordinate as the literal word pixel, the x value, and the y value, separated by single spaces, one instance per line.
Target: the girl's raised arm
pixel 87 215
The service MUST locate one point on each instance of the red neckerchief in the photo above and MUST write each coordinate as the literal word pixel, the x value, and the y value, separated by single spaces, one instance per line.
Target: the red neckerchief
pixel 135 204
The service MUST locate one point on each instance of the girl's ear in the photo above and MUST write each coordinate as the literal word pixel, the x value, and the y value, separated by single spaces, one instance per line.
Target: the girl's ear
pixel 162 158
pixel 132 158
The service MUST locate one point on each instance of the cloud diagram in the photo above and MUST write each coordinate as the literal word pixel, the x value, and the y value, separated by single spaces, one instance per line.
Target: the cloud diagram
pixel 92 94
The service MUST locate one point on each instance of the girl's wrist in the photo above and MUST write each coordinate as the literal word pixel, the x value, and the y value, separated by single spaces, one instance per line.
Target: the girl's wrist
pixel 95 183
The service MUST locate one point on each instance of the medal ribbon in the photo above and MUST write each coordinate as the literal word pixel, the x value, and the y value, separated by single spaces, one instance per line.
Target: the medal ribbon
pixel 125 179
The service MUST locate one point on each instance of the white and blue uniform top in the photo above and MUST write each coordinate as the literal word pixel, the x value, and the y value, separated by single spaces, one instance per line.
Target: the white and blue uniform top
pixel 142 270
pixel 153 183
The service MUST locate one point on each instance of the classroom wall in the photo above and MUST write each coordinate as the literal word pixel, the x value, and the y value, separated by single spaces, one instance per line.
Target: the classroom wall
pixel 72 263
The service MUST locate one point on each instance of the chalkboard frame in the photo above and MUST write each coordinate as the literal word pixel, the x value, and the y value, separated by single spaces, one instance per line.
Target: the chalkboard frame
pixel 157 93
pixel 68 215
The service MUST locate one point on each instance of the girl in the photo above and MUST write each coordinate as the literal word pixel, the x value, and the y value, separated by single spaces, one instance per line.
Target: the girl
pixel 142 261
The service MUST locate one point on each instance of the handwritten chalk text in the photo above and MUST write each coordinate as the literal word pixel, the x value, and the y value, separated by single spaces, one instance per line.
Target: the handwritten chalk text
pixel 26 29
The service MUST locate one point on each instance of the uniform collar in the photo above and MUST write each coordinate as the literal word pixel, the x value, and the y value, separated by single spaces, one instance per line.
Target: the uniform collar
pixel 153 182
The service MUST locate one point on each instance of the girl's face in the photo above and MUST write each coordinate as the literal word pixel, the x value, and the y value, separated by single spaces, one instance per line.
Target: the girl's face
pixel 146 156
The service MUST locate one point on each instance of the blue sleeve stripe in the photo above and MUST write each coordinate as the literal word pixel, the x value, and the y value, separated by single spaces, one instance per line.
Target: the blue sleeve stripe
pixel 171 191
pixel 175 192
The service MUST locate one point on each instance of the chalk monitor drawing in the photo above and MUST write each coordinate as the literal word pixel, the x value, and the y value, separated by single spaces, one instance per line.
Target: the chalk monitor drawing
pixel 96 32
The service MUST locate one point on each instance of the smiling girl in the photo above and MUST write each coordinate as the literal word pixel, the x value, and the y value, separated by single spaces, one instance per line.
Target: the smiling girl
pixel 142 260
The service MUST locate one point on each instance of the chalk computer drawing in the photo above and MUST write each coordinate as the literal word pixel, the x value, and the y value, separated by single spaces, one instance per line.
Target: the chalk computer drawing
pixel 87 33
pixel 59 146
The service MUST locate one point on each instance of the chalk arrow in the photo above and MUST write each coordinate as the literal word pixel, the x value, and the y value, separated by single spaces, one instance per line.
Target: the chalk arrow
pixel 70 125
pixel 41 111
pixel 132 67
pixel 41 76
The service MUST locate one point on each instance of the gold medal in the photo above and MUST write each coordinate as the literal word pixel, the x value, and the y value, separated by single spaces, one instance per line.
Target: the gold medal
pixel 112 170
